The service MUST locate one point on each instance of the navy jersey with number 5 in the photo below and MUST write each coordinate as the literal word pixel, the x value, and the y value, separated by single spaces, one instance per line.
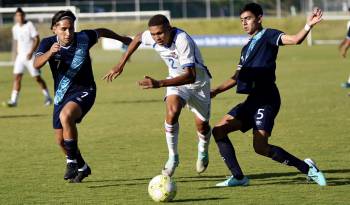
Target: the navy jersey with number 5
pixel 61 61
pixel 258 62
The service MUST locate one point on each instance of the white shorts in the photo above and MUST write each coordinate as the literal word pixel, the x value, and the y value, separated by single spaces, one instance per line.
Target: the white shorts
pixel 22 62
pixel 197 100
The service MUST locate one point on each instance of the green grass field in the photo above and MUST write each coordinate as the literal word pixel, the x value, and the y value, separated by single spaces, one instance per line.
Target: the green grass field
pixel 123 141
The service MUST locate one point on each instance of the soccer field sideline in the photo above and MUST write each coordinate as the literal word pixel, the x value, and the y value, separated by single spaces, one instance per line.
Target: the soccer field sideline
pixel 124 131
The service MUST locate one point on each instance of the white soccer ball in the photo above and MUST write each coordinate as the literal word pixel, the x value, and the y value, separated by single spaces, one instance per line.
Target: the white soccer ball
pixel 162 188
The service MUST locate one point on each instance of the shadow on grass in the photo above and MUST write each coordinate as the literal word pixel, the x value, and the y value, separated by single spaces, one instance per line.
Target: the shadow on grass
pixel 204 199
pixel 281 178
pixel 21 116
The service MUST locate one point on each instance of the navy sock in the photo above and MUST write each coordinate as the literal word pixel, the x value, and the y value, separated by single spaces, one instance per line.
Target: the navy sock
pixel 80 159
pixel 71 147
pixel 280 155
pixel 228 155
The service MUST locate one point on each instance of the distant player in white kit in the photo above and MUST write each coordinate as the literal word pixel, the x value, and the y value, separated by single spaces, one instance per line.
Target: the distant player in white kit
pixel 26 40
pixel 188 83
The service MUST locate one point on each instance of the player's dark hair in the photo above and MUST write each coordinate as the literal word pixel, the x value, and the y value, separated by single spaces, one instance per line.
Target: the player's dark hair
pixel 60 15
pixel 158 20
pixel 20 10
pixel 254 8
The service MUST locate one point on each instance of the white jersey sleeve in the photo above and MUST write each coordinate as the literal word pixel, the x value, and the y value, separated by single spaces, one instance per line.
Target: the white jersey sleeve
pixel 146 39
pixel 186 49
pixel 32 30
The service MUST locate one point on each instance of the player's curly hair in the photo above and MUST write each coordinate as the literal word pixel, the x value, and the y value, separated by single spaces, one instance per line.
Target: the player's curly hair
pixel 254 8
pixel 158 20
pixel 60 15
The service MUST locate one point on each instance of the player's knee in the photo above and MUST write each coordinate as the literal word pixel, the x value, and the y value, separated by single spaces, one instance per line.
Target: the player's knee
pixel 172 115
pixel 66 117
pixel 261 149
pixel 218 132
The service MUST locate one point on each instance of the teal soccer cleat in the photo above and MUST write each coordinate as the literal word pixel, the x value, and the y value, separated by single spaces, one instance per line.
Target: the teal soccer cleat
pixel 230 182
pixel 314 173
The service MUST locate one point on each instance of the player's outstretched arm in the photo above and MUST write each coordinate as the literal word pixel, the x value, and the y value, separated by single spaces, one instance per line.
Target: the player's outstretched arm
pixel 313 19
pixel 225 85
pixel 187 78
pixel 40 60
pixel 103 32
pixel 118 69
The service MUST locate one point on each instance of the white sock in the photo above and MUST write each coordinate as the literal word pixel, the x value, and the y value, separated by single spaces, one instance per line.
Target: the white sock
pixel 71 161
pixel 46 93
pixel 349 79
pixel 83 168
pixel 203 141
pixel 172 135
pixel 14 96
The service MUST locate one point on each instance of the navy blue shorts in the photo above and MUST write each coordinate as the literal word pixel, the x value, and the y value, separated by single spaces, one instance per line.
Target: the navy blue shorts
pixel 85 98
pixel 258 111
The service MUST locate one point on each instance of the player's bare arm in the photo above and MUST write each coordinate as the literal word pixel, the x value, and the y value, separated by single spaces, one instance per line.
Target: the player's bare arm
pixel 118 69
pixel 14 50
pixel 103 32
pixel 187 78
pixel 313 19
pixel 40 60
pixel 230 83
pixel 36 41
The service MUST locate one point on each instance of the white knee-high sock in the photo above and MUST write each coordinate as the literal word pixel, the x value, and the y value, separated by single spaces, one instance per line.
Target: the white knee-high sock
pixel 14 96
pixel 172 134
pixel 203 141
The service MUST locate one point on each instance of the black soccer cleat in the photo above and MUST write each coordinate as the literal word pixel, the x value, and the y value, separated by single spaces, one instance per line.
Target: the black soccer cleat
pixel 81 175
pixel 71 171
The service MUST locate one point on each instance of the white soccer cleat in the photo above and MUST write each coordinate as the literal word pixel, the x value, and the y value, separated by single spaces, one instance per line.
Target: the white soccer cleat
pixel 171 165
pixel 202 162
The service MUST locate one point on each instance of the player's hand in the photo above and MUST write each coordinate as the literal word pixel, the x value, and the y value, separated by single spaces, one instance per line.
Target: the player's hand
pixel 113 73
pixel 148 83
pixel 29 56
pixel 55 48
pixel 315 17
pixel 213 93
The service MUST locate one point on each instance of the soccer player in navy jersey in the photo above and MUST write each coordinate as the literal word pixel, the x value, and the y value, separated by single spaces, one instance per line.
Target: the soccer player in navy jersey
pixel 75 90
pixel 255 76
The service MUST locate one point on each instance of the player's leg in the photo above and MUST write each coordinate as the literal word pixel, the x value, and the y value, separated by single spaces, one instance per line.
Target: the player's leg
pixel 36 75
pixel 199 103
pixel 174 104
pixel 204 134
pixel 264 121
pixel 68 117
pixel 346 84
pixel 220 132
pixel 278 154
pixel 18 70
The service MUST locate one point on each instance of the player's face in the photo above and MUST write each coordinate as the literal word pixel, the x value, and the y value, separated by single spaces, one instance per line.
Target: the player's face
pixel 64 30
pixel 19 18
pixel 250 23
pixel 160 34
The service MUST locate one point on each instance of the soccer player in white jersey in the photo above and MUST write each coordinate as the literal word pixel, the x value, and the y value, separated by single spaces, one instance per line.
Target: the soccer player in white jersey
pixel 26 40
pixel 188 83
